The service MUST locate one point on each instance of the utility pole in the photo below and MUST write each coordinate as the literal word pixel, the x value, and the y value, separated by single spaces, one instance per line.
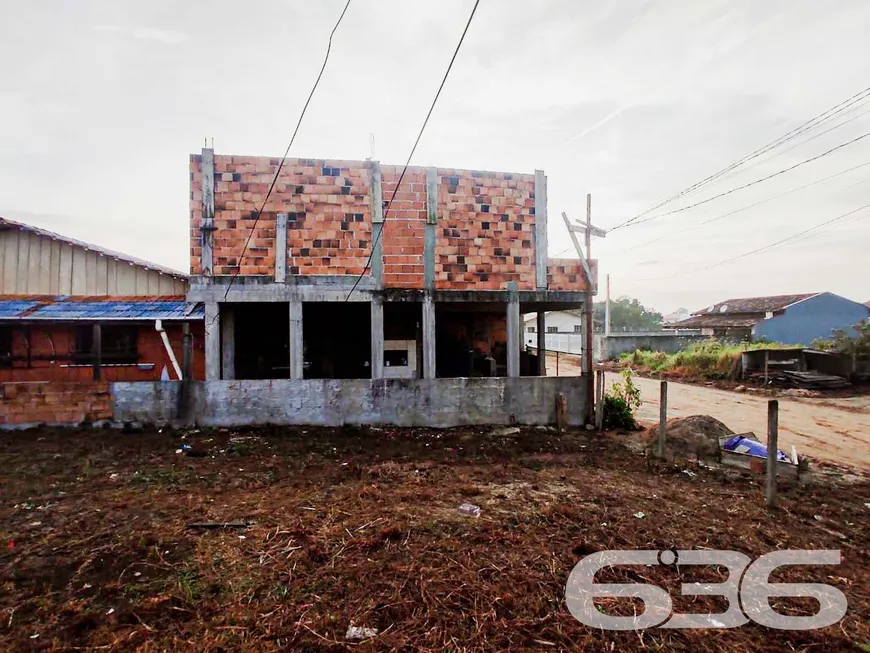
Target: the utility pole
pixel 591 287
pixel 607 310
pixel 587 307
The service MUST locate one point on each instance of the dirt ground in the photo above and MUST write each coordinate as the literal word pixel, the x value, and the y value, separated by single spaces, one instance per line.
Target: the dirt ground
pixel 360 527
pixel 830 429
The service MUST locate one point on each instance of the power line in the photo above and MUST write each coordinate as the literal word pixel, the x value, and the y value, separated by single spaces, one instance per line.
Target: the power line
pixel 735 173
pixel 414 149
pixel 746 208
pixel 752 183
pixel 813 122
pixel 287 151
pixel 765 247
pixel 784 240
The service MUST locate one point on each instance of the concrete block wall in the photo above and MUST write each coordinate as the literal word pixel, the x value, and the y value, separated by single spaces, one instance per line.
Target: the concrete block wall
pixel 404 227
pixel 50 340
pixel 31 404
pixel 486 225
pixel 332 402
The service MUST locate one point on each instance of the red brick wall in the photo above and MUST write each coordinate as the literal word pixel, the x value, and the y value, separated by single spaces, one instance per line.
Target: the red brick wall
pixel 404 227
pixel 59 341
pixel 328 206
pixel 486 230
pixel 568 274
pixel 54 403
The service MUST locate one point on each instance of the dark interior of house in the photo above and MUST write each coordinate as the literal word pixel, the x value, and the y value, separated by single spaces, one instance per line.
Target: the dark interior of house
pixel 262 338
pixel 337 340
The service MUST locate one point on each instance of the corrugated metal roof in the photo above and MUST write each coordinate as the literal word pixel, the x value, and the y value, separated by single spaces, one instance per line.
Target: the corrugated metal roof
pixel 6 223
pixel 12 308
pixel 62 309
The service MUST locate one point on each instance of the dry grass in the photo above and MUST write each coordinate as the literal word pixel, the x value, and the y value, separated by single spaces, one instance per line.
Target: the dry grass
pixel 361 527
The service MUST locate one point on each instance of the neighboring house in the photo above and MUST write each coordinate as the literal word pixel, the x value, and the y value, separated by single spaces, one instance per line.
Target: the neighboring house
pixel 55 290
pixel 334 287
pixel 794 319
pixel 557 322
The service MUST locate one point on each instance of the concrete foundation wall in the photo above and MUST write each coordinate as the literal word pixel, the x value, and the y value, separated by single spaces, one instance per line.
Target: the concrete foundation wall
pixel 328 402
pixel 610 347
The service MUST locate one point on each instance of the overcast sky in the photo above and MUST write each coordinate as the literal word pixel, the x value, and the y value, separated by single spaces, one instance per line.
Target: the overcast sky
pixel 102 101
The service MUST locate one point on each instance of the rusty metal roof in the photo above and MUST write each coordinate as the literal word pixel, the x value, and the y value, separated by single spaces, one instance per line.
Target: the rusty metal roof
pixel 712 321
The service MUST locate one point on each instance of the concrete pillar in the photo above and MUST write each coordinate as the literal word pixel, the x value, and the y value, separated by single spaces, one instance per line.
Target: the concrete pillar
pixel 430 235
pixel 228 341
pixel 207 224
pixel 377 199
pixel 297 344
pixel 428 338
pixel 281 248
pixel 377 361
pixel 212 342
pixel 514 331
pixel 541 256
pixel 542 343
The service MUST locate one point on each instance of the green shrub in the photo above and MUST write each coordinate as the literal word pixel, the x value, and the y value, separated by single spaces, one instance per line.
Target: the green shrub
pixel 620 402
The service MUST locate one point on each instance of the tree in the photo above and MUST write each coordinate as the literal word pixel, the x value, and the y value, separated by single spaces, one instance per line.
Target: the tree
pixel 627 314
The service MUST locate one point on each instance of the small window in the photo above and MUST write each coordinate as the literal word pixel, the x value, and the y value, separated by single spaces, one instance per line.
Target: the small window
pixel 118 346
pixel 578 328
pixel 531 329
pixel 396 358
pixel 552 329
pixel 5 347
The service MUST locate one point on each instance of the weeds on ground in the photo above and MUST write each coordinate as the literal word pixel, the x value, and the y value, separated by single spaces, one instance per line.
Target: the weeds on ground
pixel 710 359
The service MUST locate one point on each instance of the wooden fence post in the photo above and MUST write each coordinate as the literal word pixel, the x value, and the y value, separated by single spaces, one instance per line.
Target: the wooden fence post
pixel 599 397
pixel 663 418
pixel 772 448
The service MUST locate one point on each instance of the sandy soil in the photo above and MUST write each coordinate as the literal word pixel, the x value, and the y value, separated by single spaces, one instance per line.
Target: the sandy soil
pixel 836 430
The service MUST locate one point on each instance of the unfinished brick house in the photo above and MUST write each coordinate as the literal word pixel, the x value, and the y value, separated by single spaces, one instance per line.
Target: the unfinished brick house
pixel 331 287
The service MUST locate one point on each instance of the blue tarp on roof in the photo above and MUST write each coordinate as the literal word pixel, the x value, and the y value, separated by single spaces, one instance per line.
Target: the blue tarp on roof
pixel 12 308
pixel 64 308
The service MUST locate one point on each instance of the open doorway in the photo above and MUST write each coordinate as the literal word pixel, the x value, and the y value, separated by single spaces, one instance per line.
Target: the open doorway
pixel 471 340
pixel 337 340
pixel 262 340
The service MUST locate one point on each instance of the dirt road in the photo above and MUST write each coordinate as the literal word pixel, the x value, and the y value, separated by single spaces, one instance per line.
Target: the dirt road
pixel 837 430
pixel 820 430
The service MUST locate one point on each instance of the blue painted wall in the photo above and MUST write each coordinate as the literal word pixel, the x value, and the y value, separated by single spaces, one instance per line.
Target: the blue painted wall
pixel 813 318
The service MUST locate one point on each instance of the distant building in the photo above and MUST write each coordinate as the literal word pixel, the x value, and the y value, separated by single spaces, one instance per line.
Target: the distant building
pixel 793 319
pixel 676 316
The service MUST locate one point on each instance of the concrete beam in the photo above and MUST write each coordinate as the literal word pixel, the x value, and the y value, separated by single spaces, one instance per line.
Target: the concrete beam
pixel 297 345
pixel 212 342
pixel 514 331
pixel 541 256
pixel 429 234
pixel 542 343
pixel 281 248
pixel 228 341
pixel 207 224
pixel 377 362
pixel 428 338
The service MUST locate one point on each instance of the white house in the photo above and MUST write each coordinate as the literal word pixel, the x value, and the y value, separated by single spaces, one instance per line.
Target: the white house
pixel 564 331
